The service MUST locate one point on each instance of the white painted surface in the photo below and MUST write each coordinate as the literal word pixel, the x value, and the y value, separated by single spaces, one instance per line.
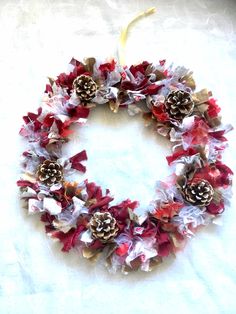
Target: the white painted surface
pixel 38 38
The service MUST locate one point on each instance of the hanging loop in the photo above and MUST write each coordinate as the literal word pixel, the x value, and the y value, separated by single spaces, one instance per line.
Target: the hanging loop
pixel 125 30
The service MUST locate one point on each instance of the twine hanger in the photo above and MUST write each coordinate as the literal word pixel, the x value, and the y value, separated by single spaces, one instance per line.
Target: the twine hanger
pixel 125 30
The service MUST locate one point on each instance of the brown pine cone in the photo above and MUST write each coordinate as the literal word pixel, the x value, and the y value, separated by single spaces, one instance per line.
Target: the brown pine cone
pixel 199 193
pixel 179 104
pixel 85 87
pixel 50 172
pixel 103 226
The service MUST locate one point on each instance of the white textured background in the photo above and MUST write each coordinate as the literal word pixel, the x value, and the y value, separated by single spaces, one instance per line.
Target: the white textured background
pixel 38 38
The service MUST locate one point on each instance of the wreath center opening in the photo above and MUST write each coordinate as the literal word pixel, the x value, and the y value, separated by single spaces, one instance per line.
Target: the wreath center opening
pixel 123 154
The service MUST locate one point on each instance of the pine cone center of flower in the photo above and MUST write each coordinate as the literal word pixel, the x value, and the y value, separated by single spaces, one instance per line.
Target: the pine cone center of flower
pixel 179 104
pixel 199 193
pixel 50 172
pixel 85 87
pixel 103 226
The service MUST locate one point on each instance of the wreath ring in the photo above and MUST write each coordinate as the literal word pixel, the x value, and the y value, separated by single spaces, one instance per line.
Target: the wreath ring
pixel 82 215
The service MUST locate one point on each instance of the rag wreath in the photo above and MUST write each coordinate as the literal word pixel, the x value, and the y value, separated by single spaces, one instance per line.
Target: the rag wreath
pixel 82 215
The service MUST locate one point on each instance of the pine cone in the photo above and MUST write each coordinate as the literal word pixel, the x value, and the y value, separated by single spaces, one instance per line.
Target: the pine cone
pixel 199 193
pixel 50 172
pixel 103 226
pixel 85 87
pixel 179 104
